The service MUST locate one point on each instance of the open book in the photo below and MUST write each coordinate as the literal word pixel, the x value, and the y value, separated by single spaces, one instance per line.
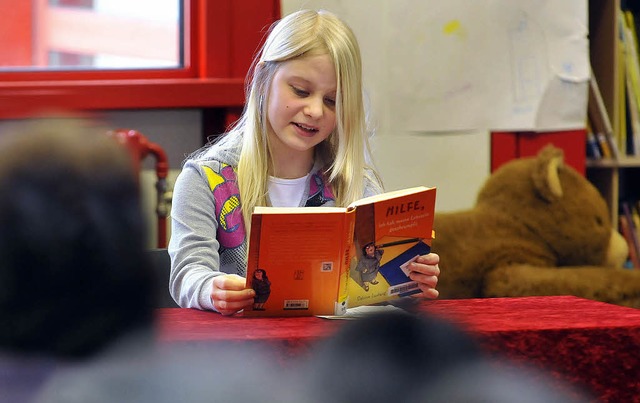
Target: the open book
pixel 322 260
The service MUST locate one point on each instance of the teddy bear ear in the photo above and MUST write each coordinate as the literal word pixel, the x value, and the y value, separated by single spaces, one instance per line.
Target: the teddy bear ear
pixel 546 179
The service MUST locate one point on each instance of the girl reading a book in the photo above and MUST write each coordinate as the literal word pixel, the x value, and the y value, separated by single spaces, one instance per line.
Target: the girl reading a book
pixel 301 141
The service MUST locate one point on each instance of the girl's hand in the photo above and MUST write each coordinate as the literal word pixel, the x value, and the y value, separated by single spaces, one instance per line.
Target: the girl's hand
pixel 425 271
pixel 229 294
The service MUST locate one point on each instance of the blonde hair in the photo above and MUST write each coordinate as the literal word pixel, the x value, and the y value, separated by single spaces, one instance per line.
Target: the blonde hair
pixel 300 34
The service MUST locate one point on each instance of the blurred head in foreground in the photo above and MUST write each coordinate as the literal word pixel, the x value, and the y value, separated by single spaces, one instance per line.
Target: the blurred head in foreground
pixel 72 266
pixel 401 357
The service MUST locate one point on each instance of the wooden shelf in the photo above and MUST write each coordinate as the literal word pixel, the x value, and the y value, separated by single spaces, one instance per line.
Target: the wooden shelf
pixel 616 179
pixel 622 162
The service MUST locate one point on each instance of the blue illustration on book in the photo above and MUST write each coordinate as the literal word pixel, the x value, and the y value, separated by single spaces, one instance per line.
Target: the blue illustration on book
pixel 396 273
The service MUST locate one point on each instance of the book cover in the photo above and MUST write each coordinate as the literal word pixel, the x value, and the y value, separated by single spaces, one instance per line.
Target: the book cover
pixel 307 261
pixel 295 259
pixel 388 235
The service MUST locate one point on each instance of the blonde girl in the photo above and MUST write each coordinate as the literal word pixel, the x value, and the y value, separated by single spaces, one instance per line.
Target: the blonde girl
pixel 301 141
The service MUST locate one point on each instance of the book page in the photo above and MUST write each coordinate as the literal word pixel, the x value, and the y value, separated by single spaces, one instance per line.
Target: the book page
pixel 387 195
pixel 297 210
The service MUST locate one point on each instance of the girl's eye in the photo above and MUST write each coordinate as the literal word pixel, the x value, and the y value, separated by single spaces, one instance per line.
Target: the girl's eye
pixel 299 92
pixel 330 102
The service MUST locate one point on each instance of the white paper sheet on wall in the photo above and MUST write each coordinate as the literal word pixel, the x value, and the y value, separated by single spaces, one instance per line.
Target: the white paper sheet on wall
pixel 433 65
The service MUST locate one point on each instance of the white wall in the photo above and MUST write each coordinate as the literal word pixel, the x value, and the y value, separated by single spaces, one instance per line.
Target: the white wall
pixel 457 163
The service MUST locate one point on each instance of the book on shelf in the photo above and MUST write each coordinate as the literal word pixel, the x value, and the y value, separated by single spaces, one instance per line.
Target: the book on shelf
pixel 605 150
pixel 632 128
pixel 626 233
pixel 620 112
pixel 635 215
pixel 593 149
pixel 306 261
pixel 633 120
pixel 599 121
pixel 632 64
pixel 629 230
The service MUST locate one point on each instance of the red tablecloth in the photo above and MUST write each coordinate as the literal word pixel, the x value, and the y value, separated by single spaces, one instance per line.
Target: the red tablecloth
pixel 588 343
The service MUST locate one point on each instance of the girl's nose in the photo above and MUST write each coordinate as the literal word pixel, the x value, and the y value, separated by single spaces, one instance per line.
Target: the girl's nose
pixel 314 108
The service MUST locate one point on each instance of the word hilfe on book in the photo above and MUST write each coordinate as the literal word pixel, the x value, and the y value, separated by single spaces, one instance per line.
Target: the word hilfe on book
pixel 404 208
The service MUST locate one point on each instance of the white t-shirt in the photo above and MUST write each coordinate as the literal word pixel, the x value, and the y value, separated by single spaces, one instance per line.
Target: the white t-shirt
pixel 286 192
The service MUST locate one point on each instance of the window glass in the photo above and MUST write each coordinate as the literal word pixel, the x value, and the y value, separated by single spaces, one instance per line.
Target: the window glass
pixel 94 35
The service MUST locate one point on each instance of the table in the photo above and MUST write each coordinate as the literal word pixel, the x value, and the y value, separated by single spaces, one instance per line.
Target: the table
pixel 587 343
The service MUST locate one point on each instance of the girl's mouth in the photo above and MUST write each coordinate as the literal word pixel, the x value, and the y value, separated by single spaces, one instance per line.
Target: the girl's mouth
pixel 308 129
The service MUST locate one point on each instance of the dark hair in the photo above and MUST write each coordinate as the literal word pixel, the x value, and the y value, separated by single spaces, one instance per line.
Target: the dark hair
pixel 364 248
pixel 409 358
pixel 72 265
pixel 385 356
pixel 263 271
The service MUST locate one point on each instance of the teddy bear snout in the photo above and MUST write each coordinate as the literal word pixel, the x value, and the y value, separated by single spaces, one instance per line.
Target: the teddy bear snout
pixel 618 250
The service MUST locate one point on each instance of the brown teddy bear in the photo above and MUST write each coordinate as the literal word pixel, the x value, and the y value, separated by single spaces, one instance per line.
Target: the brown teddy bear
pixel 538 228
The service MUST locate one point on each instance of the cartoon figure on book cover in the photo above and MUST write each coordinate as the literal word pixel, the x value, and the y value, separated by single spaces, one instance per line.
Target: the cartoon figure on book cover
pixel 262 286
pixel 393 269
pixel 369 265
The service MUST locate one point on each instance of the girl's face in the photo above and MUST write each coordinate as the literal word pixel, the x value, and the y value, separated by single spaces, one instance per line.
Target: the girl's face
pixel 370 250
pixel 301 109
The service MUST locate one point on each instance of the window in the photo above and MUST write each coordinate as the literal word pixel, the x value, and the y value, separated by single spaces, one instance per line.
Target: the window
pixel 156 53
pixel 97 34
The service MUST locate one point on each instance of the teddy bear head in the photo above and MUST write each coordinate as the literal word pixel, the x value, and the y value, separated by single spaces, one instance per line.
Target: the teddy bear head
pixel 558 206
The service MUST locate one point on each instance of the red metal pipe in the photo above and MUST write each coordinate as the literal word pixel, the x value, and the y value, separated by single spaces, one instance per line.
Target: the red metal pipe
pixel 140 147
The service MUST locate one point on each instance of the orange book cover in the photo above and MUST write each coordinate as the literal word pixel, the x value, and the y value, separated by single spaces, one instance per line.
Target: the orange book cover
pixel 307 261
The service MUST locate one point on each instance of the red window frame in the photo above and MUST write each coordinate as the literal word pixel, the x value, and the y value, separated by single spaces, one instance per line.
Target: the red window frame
pixel 221 37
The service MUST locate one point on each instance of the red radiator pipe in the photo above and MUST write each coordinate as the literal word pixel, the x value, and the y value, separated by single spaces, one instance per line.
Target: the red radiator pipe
pixel 140 147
